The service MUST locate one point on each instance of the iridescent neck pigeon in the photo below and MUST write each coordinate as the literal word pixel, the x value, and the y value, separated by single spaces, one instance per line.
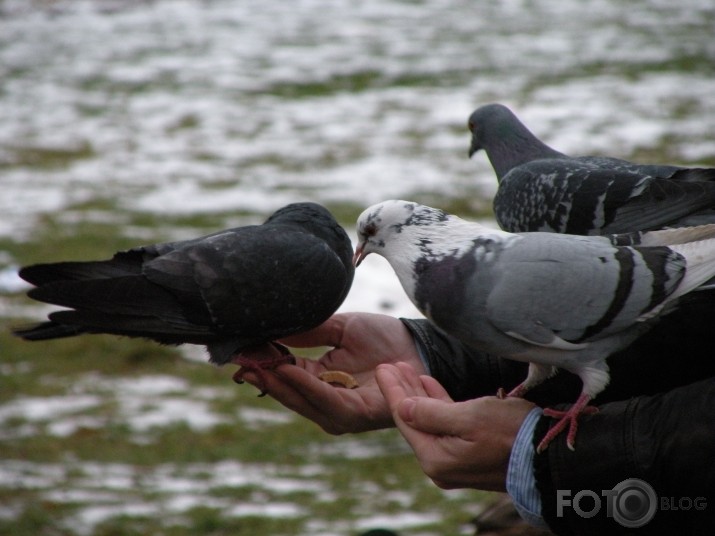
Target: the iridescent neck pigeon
pixel 541 189
pixel 553 300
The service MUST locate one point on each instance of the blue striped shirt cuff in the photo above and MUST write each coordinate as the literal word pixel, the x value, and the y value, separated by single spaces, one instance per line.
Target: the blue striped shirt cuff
pixel 422 353
pixel 520 480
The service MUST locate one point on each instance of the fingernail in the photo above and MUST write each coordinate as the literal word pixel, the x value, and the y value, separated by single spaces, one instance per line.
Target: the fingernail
pixel 406 408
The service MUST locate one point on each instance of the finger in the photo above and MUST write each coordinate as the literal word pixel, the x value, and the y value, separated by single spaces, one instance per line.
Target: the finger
pixel 395 390
pixel 419 384
pixel 389 380
pixel 305 382
pixel 286 393
pixel 397 382
pixel 429 416
pixel 434 389
pixel 329 333
pixel 305 394
pixel 410 379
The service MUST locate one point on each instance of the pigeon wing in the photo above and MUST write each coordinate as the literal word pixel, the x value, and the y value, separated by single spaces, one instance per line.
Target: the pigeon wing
pixel 533 298
pixel 257 283
pixel 660 203
pixel 563 196
pixel 573 196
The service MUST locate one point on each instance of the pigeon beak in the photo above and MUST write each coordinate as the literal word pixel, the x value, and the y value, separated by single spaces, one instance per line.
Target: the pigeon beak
pixel 474 144
pixel 359 255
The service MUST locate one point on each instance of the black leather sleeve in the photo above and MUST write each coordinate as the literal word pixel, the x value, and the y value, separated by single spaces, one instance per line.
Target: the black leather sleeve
pixel 464 372
pixel 666 440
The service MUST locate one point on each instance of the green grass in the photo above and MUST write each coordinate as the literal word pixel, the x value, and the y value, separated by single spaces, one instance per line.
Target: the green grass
pixel 43 158
pixel 360 81
pixel 62 368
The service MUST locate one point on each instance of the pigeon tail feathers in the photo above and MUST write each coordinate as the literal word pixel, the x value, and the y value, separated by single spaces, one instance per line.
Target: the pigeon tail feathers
pixel 700 258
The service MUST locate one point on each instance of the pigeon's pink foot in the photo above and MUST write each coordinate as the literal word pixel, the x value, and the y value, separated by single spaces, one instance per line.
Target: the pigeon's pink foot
pixel 569 417
pixel 517 392
pixel 260 365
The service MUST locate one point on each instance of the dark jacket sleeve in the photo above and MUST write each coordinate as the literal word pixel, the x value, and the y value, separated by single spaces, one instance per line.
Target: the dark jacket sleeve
pixel 666 440
pixel 464 372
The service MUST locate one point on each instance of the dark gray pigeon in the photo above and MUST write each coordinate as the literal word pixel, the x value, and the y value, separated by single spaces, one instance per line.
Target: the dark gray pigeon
pixel 541 189
pixel 231 290
pixel 553 300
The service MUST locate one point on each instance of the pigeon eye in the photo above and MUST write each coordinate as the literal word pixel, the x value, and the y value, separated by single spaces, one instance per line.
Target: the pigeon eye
pixel 470 125
pixel 370 230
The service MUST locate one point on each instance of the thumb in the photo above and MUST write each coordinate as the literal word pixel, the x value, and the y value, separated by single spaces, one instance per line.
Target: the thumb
pixel 427 415
pixel 329 333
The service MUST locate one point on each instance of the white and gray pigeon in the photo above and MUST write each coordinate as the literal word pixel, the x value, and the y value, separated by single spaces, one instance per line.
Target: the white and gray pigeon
pixel 556 301
pixel 541 189
pixel 231 291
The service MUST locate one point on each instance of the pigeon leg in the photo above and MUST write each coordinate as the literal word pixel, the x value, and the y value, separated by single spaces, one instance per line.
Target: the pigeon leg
pixel 569 417
pixel 259 366
pixel 517 392
pixel 537 374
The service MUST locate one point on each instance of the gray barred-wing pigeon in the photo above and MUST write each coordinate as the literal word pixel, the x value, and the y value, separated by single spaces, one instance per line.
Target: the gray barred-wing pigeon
pixel 553 300
pixel 231 291
pixel 541 189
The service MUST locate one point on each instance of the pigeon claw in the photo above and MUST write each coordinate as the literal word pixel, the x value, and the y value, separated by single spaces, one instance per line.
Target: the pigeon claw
pixel 518 391
pixel 259 366
pixel 570 418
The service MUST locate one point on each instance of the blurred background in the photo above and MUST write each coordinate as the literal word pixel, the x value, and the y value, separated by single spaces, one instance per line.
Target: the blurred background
pixel 125 122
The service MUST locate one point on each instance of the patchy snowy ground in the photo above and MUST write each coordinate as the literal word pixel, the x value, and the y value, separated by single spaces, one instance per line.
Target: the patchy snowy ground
pixel 126 122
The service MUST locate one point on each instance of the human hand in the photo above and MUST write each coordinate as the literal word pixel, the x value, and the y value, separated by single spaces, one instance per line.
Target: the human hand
pixel 458 444
pixel 360 342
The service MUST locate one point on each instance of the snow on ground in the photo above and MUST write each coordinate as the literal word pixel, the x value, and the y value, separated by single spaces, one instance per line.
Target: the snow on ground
pixel 181 107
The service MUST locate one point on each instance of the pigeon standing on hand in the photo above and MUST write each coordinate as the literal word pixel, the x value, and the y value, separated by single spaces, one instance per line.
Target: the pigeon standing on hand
pixel 541 189
pixel 555 301
pixel 231 291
